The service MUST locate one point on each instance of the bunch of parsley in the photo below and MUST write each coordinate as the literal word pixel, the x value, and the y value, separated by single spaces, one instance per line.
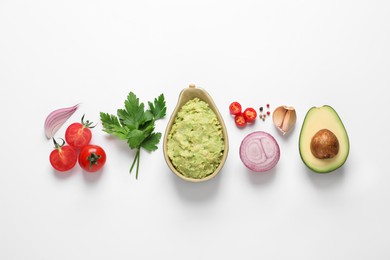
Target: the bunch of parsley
pixel 136 125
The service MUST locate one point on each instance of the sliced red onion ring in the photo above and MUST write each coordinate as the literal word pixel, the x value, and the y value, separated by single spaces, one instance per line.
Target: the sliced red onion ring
pixel 57 118
pixel 259 151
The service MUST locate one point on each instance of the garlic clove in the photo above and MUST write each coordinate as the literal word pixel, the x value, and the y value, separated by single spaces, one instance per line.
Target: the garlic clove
pixel 284 118
pixel 278 116
pixel 289 120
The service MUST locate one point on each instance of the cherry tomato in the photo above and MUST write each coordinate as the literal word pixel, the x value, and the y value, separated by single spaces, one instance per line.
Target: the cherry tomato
pixel 250 114
pixel 235 108
pixel 63 157
pixel 79 135
pixel 240 120
pixel 92 158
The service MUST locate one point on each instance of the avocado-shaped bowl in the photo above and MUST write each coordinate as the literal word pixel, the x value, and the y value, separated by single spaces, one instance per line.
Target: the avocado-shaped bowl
pixel 186 95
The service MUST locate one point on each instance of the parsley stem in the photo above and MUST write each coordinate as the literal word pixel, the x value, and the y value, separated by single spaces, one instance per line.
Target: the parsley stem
pixel 139 153
pixel 135 159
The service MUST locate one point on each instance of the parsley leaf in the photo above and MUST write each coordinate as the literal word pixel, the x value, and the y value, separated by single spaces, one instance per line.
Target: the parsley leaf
pixel 136 125
pixel 150 143
pixel 113 126
pixel 158 108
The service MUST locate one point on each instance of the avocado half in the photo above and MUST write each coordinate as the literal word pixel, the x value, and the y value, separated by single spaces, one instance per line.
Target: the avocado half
pixel 316 119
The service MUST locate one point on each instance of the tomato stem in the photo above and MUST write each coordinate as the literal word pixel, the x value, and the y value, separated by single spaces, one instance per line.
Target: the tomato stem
pixel 93 159
pixel 56 145
pixel 87 124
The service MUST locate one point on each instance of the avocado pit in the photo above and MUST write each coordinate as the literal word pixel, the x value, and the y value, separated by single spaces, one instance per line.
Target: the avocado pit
pixel 324 144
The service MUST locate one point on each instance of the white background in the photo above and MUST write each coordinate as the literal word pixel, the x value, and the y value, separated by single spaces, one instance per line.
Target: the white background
pixel 56 54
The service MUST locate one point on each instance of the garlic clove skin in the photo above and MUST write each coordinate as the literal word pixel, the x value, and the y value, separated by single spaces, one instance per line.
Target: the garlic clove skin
pixel 278 116
pixel 284 118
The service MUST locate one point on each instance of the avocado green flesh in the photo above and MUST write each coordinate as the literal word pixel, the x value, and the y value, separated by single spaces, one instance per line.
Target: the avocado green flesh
pixel 318 118
pixel 195 142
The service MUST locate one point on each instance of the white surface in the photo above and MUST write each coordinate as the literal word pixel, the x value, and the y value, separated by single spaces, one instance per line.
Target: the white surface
pixel 302 53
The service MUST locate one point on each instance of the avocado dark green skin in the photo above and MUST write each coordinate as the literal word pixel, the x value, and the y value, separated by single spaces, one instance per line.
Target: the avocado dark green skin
pixel 299 141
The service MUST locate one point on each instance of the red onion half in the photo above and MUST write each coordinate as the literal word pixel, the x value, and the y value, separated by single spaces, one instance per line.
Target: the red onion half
pixel 259 151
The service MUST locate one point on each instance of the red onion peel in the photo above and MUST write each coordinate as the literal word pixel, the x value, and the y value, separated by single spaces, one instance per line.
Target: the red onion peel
pixel 57 118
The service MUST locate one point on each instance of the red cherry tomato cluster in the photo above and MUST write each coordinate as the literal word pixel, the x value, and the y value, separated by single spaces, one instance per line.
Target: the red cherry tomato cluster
pixel 78 136
pixel 241 118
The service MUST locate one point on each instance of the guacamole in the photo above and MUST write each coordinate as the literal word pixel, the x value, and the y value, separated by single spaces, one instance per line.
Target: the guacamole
pixel 195 142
